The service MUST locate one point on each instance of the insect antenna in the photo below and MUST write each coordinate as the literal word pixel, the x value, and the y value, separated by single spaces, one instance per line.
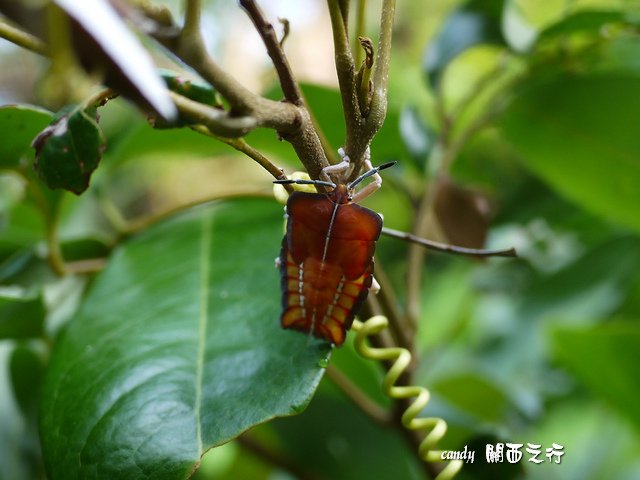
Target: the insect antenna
pixel 373 171
pixel 305 182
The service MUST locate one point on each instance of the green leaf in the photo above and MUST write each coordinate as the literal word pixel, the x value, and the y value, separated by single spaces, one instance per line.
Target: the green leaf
pixel 474 394
pixel 27 371
pixel 591 287
pixel 177 349
pixel 336 440
pixel 18 441
pixel 21 316
pixel 20 124
pixel 475 22
pixel 582 21
pixel 196 90
pixel 575 134
pixel 605 358
pixel 69 150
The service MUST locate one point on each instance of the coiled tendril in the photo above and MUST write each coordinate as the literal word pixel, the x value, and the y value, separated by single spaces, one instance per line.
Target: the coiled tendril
pixel 436 427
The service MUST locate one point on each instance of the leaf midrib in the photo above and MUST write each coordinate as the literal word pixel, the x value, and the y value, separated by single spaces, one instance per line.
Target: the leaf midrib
pixel 205 267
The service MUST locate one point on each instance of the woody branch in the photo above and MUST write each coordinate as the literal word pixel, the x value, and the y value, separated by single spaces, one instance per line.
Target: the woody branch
pixel 362 121
pixel 290 118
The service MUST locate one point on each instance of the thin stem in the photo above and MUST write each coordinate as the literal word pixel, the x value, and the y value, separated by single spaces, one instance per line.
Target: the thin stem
pixel 388 302
pixel 358 397
pixel 291 121
pixel 260 450
pixel 452 249
pixel 242 146
pixel 360 31
pixel 378 109
pixel 56 260
pixel 86 266
pixel 146 221
pixel 23 39
pixel 345 68
pixel 192 18
pixel 217 121
pixel 288 83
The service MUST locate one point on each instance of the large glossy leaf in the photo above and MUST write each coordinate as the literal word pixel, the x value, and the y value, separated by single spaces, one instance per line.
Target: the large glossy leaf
pixel 176 349
pixel 606 359
pixel 577 134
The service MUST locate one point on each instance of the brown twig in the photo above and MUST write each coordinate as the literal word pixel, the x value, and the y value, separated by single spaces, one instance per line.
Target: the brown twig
pixel 361 124
pixel 451 249
pixel 358 397
pixel 288 83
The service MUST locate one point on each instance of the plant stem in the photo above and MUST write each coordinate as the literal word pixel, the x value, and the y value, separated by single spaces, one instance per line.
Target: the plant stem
pixel 452 249
pixel 217 121
pixel 242 146
pixel 358 397
pixel 378 109
pixel 288 83
pixel 260 450
pixel 23 39
pixel 360 28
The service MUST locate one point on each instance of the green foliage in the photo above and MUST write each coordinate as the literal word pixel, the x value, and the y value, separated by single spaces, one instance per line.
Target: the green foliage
pixel 139 328
pixel 574 133
pixel 69 150
pixel 203 359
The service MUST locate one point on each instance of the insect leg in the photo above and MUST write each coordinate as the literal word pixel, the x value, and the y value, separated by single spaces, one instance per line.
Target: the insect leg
pixel 375 286
pixel 374 185
pixel 339 170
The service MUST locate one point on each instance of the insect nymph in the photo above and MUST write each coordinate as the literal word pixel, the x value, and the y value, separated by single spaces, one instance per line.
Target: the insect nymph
pixel 326 260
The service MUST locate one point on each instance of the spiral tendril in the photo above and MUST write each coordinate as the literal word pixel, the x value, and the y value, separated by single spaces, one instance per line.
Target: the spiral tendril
pixel 436 427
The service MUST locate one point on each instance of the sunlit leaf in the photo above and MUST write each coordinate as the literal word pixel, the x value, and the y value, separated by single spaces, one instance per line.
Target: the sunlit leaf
pixel 582 21
pixel 605 358
pixel 475 22
pixel 177 348
pixel 576 135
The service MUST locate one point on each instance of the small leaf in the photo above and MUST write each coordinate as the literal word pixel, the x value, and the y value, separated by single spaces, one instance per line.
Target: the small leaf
pixel 605 358
pixel 574 133
pixel 196 90
pixel 20 124
pixel 21 315
pixel 176 349
pixel 69 150
pixel 475 22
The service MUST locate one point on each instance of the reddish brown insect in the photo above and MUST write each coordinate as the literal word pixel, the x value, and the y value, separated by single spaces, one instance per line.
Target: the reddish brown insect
pixel 326 261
